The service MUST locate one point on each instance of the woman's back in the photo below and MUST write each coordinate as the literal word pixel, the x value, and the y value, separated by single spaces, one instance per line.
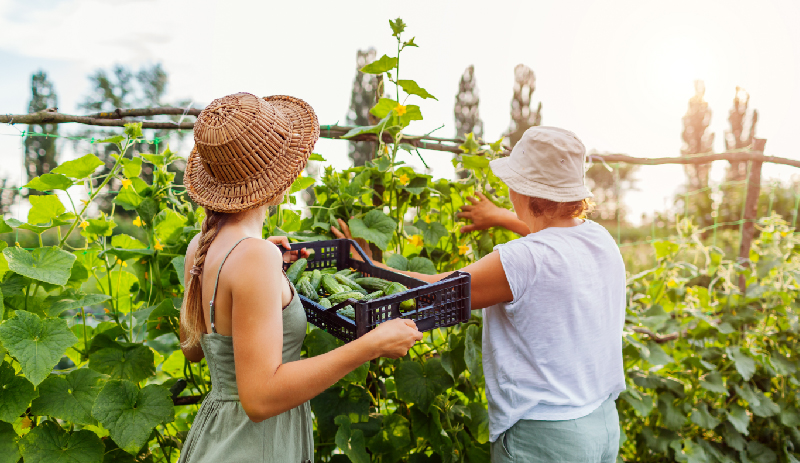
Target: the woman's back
pixel 555 351
pixel 222 431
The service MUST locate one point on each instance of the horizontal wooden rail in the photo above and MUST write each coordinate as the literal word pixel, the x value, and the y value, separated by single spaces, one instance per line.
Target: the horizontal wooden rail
pixel 120 117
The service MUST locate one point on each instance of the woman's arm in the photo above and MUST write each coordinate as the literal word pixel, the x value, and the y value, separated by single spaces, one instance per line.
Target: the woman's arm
pixel 267 386
pixel 484 214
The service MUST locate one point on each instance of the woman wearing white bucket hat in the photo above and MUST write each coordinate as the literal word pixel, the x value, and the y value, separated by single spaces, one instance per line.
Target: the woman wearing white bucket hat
pixel 555 308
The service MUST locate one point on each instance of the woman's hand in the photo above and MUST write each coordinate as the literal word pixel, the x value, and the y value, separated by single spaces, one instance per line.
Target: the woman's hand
pixel 483 214
pixel 344 232
pixel 394 338
pixel 289 255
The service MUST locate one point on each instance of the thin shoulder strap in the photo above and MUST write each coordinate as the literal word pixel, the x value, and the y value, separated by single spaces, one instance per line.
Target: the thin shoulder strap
pixel 216 283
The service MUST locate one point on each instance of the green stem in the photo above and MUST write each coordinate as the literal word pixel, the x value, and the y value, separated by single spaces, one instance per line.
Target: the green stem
pixel 93 195
pixel 85 337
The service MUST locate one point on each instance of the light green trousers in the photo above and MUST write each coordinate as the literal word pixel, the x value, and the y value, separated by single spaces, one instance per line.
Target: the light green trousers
pixel 593 438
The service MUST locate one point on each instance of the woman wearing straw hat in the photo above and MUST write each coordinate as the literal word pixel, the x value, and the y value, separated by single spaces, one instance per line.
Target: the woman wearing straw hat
pixel 555 308
pixel 245 317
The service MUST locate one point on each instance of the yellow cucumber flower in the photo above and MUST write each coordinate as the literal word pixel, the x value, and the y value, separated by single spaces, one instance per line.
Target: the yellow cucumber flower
pixel 126 183
pixel 137 221
pixel 462 250
pixel 400 109
pixel 84 224
pixel 403 179
pixel 158 246
pixel 415 240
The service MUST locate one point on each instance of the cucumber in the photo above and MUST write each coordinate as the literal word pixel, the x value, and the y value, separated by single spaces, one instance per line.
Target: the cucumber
pixel 344 272
pixel 343 280
pixel 316 279
pixel 373 284
pixel 324 302
pixel 330 285
pixel 339 297
pixel 302 279
pixel 373 295
pixel 304 288
pixel 394 288
pixel 347 311
pixel 328 270
pixel 293 274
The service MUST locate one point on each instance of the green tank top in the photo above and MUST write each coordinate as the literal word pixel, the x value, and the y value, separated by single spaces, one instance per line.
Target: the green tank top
pixel 222 431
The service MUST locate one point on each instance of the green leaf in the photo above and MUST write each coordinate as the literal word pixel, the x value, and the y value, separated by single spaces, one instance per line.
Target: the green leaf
pixel 374 129
pixel 44 208
pixel 738 417
pixel 169 225
pixel 421 383
pixel 385 63
pixel 732 437
pixel 665 248
pixel 301 184
pixel 9 449
pixel 657 355
pixel 134 130
pixel 351 441
pixel 376 227
pixel 383 107
pixel 79 168
pixel 475 161
pixel 398 262
pixel 703 418
pixel 470 147
pixel 421 265
pixel 116 139
pixel 4 227
pixel 351 400
pixel 745 365
pixel 17 394
pixel 49 264
pixel 392 440
pixel 37 344
pixel 77 302
pixel 47 182
pixel 763 406
pixel 130 414
pixel 128 196
pixel 790 417
pixel 473 352
pixel 398 26
pixel 179 263
pixel 713 383
pixel 48 443
pixel 760 453
pixel 69 397
pixel 642 403
pixel 103 226
pixel 316 157
pixel 131 168
pixel 672 417
pixel 478 423
pixel 411 87
pixel 133 363
pixel 431 232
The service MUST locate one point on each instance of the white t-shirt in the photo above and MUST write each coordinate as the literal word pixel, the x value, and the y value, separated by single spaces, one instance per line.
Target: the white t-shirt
pixel 555 351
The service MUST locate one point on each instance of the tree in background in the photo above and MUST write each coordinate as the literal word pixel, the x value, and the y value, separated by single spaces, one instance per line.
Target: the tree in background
pixel 522 116
pixel 696 140
pixel 40 151
pixel 123 88
pixel 466 111
pixel 741 133
pixel 366 91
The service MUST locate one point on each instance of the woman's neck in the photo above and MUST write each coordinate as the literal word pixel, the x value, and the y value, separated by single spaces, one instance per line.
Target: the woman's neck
pixel 248 223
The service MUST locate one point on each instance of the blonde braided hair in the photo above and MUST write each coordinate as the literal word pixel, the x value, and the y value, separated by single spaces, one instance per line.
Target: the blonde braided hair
pixel 193 324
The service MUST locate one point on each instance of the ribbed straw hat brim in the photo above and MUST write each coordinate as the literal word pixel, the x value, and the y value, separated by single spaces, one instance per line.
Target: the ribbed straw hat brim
pixel 249 151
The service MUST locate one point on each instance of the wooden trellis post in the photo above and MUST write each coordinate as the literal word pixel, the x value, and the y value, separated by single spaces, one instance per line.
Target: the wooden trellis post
pixel 750 209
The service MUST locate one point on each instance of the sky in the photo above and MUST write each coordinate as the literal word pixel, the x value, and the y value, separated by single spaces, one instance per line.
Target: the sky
pixel 618 73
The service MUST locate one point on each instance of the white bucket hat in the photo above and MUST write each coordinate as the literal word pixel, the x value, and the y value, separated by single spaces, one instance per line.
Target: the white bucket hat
pixel 547 163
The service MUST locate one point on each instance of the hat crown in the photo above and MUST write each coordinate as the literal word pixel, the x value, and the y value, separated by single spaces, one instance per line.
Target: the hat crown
pixel 551 156
pixel 249 150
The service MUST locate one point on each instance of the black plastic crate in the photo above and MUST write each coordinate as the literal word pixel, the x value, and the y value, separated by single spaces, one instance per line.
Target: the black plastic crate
pixel 440 304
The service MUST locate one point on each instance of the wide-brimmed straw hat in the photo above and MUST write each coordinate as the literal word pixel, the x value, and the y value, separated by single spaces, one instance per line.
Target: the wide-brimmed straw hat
pixel 548 162
pixel 249 150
